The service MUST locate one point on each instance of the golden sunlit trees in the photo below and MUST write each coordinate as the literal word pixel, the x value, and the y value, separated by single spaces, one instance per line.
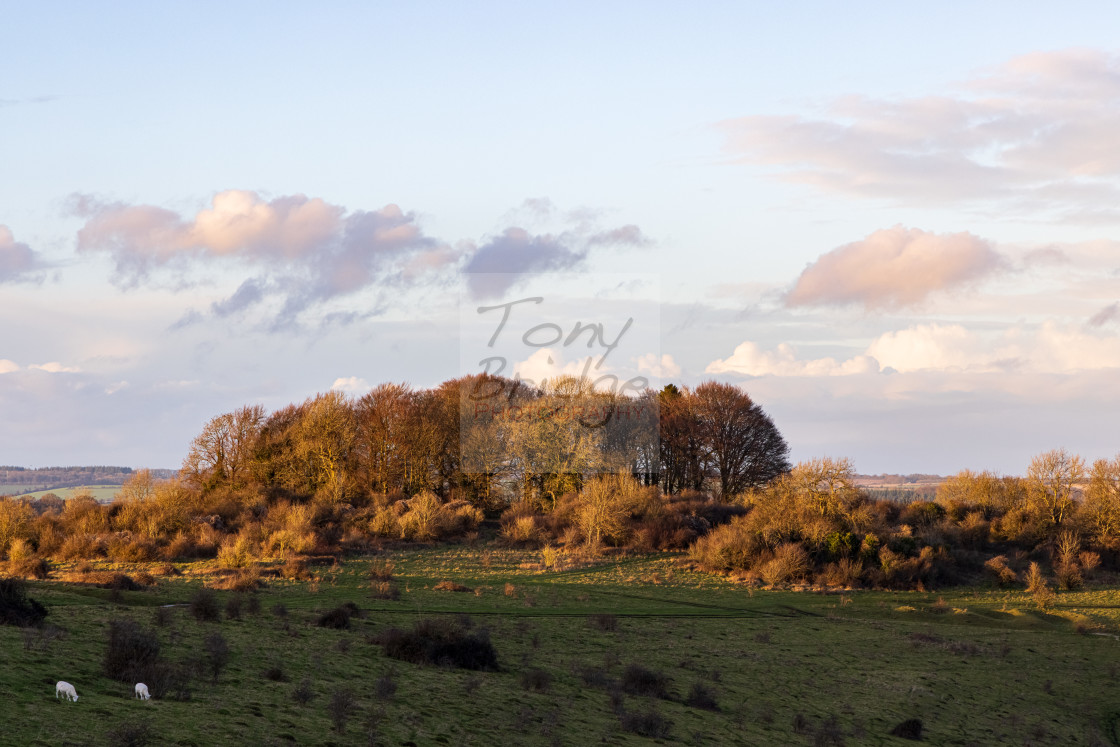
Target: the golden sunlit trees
pixel 1051 479
pixel 222 455
pixel 1101 509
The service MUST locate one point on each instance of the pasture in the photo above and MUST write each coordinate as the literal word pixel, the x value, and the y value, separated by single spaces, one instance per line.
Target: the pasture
pixel 623 650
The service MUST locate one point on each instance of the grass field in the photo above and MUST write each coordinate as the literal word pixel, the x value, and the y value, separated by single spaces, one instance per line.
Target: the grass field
pixel 782 667
pixel 103 493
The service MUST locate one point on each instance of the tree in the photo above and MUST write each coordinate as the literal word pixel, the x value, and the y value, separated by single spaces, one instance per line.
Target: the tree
pixel 222 454
pixel 1102 501
pixel 740 442
pixel 828 484
pixel 1051 479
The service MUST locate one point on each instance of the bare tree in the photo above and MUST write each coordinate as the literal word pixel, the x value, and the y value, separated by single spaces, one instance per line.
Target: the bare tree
pixel 1051 479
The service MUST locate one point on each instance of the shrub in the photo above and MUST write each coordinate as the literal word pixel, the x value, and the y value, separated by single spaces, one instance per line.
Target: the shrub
pixel 303 693
pixel 440 642
pixel 130 734
pixel 217 653
pixel 637 680
pixel 1038 588
pixel 536 680
pixel 381 571
pixel 702 696
pixel 911 728
pixel 131 651
pixel 275 672
pixel 450 586
pixel 649 723
pixel 604 621
pixel 338 618
pixel 233 607
pixel 341 707
pixel 385 686
pixel 16 608
pixel 386 590
pixel 790 562
pixel 204 606
pixel 998 566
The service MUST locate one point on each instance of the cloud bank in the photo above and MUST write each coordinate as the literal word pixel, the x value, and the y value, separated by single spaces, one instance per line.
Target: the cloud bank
pixel 893 268
pixel 1039 134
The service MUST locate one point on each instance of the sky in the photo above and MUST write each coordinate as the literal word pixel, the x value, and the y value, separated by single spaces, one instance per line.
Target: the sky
pixel 897 228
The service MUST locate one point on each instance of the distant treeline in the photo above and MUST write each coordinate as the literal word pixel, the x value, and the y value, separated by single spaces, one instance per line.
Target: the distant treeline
pixel 49 478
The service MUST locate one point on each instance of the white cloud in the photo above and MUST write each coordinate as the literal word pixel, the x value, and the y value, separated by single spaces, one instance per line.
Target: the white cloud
pixel 1050 348
pixel 7 366
pixel 350 385
pixel 893 268
pixel 662 368
pixel 55 367
pixel 750 359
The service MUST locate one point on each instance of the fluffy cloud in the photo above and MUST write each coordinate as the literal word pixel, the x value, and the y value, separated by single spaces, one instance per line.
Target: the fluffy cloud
pixel 894 267
pixel 1050 348
pixel 54 367
pixel 17 260
pixel 749 359
pixel 661 368
pixel 7 366
pixel 1041 130
pixel 350 385
pixel 305 250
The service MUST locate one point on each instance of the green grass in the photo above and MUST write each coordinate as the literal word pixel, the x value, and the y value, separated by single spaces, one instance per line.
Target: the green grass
pixel 103 493
pixel 977 666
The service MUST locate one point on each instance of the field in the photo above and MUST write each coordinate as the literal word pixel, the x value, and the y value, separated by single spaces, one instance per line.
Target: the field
pixel 722 664
pixel 103 493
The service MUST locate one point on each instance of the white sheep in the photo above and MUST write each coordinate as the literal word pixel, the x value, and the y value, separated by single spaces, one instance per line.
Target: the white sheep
pixel 142 691
pixel 65 688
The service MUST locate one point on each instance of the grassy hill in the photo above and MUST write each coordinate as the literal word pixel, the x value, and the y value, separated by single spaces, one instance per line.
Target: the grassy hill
pixel 627 650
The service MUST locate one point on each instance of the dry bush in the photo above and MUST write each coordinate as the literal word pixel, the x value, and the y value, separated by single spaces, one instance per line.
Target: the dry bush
pixel 520 525
pixel 790 563
pixel 1036 585
pixel 81 547
pixel 845 572
pixel 450 586
pixel 303 693
pixel 441 642
pixel 604 621
pixel 217 653
pixel 381 570
pixel 998 567
pixel 338 618
pixel 204 606
pixel 16 608
pixel 536 680
pixel 648 723
pixel 637 680
pixel 703 697
pixel 341 707
pixel 131 651
pixel 386 590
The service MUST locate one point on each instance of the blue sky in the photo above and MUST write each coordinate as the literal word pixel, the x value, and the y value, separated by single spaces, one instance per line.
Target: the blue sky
pixel 893 225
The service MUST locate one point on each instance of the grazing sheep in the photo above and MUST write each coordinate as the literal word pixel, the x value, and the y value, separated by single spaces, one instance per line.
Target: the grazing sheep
pixel 142 691
pixel 65 688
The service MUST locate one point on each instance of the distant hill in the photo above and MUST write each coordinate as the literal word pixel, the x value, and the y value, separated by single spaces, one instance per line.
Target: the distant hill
pixel 21 480
pixel 903 488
